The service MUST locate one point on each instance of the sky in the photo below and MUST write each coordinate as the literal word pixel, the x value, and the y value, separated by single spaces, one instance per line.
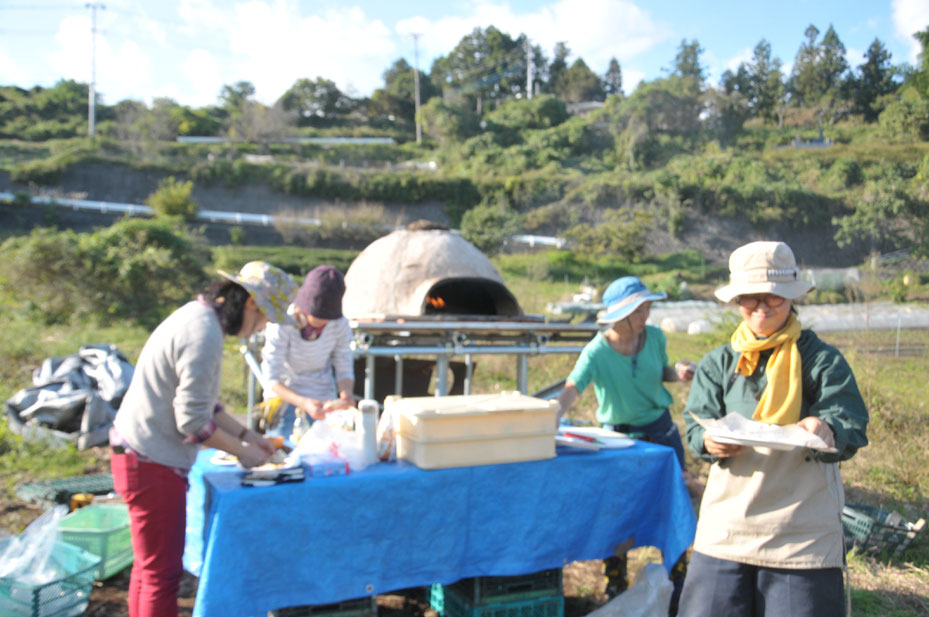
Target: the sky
pixel 188 49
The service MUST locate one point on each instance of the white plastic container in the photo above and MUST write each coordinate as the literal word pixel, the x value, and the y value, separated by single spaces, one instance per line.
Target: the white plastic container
pixel 485 429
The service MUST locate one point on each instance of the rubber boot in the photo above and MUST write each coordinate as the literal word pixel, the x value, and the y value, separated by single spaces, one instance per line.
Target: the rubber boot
pixel 678 573
pixel 614 570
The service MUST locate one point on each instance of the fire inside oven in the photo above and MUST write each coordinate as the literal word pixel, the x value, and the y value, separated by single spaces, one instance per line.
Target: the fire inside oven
pixel 469 296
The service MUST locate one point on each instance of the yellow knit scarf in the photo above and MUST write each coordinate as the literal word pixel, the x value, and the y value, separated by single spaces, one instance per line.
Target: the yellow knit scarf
pixel 780 401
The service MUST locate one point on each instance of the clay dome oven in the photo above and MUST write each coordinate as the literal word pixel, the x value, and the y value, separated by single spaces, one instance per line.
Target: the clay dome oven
pixel 425 272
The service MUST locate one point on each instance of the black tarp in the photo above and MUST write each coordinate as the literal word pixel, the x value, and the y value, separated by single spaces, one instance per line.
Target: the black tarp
pixel 73 398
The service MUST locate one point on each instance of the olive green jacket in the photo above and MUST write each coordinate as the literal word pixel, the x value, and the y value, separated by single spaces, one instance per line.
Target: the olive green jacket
pixel 768 507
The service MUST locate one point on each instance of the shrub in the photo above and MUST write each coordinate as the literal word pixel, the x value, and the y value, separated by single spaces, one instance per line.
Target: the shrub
pixel 489 224
pixel 844 173
pixel 138 268
pixel 173 198
pixel 621 234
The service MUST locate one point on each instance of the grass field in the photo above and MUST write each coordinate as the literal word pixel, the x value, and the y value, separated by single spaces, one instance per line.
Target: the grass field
pixel 891 472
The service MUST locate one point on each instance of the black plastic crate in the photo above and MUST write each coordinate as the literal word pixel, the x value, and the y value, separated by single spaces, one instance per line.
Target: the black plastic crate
pixel 359 607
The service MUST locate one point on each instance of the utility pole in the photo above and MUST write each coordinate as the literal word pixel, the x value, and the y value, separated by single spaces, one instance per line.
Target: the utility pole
pixel 91 94
pixel 528 69
pixel 419 129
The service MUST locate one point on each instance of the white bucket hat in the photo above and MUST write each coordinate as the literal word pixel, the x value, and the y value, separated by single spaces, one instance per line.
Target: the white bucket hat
pixel 763 267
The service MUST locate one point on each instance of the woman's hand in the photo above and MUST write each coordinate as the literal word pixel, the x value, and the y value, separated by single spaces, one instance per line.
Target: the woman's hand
pixel 812 424
pixel 251 455
pixel 685 370
pixel 314 407
pixel 348 398
pixel 721 450
pixel 253 438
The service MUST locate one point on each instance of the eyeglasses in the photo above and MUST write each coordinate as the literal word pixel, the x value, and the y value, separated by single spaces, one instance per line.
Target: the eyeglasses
pixel 750 303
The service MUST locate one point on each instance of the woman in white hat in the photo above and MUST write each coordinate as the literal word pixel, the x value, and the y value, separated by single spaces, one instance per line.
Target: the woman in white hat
pixel 172 408
pixel 769 538
pixel 627 364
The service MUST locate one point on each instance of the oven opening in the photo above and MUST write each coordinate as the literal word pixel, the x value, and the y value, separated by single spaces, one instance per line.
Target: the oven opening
pixel 469 296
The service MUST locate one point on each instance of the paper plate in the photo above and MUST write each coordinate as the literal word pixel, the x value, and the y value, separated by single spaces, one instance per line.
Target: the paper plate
pixel 752 442
pixel 224 458
pixel 604 438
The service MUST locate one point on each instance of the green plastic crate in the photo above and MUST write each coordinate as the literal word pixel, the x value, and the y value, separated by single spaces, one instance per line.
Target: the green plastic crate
pixel 103 530
pixel 67 595
pixel 54 492
pixel 494 589
pixel 871 529
pixel 359 607
pixel 454 605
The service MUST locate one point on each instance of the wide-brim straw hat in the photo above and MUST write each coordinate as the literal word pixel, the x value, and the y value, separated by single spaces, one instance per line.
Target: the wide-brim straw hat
pixel 623 296
pixel 763 267
pixel 272 289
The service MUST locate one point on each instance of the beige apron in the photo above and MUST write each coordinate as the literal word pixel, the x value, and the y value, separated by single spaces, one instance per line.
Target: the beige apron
pixel 773 508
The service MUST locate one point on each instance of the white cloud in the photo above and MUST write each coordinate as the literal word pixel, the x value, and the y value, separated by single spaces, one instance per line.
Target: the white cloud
pixel 203 79
pixel 910 16
pixel 71 59
pixel 744 55
pixel 273 45
pixel 11 72
pixel 854 57
pixel 631 79
pixel 595 30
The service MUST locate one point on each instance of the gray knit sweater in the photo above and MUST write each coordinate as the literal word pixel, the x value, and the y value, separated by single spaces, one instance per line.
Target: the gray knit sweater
pixel 175 387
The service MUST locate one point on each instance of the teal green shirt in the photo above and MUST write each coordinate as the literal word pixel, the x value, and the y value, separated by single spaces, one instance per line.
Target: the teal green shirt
pixel 829 393
pixel 629 389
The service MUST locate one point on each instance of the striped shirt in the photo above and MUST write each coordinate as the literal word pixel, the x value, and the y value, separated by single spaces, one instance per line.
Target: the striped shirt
pixel 309 368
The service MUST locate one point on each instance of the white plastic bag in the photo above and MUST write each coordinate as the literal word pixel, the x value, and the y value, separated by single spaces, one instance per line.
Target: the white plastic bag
pixel 26 556
pixel 386 439
pixel 649 596
pixel 334 439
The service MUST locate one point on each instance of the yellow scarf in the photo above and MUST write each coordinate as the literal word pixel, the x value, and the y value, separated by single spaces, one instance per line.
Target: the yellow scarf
pixel 780 401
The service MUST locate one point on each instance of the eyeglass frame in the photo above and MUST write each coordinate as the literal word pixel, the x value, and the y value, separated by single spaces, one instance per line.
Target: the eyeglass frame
pixel 759 299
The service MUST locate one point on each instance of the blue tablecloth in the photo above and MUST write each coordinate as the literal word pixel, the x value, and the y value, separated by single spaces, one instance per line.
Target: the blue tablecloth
pixel 395 526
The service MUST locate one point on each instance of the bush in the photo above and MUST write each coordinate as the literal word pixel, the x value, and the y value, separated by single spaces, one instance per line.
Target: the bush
pixel 489 224
pixel 138 268
pixel 173 198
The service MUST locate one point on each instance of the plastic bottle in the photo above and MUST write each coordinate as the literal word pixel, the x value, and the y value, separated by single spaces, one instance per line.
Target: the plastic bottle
pixel 301 425
pixel 366 425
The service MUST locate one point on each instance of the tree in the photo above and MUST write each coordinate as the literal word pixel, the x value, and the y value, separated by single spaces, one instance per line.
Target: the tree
pixel 920 76
pixel 886 217
pixel 579 83
pixel 448 123
pixel 613 79
pixel 766 84
pixel 396 100
pixel 818 69
pixel 622 233
pixel 486 65
pixel 315 102
pixel 231 97
pixel 874 81
pixel 558 66
pixel 489 224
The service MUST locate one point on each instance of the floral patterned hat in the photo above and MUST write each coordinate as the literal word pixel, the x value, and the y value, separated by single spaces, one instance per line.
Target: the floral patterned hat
pixel 272 289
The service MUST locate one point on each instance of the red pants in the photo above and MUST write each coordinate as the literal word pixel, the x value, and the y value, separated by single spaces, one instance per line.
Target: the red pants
pixel 156 496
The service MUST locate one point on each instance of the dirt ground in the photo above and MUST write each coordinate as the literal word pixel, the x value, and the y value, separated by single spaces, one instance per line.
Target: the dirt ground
pixel 583 590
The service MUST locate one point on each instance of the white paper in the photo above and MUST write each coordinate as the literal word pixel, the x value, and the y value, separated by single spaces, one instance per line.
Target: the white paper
pixel 736 429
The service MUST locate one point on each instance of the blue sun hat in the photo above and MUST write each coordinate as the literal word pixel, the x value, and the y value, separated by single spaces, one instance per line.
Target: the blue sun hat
pixel 624 296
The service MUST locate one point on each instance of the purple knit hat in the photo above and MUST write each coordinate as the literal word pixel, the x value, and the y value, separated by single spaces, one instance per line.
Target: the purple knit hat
pixel 321 293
